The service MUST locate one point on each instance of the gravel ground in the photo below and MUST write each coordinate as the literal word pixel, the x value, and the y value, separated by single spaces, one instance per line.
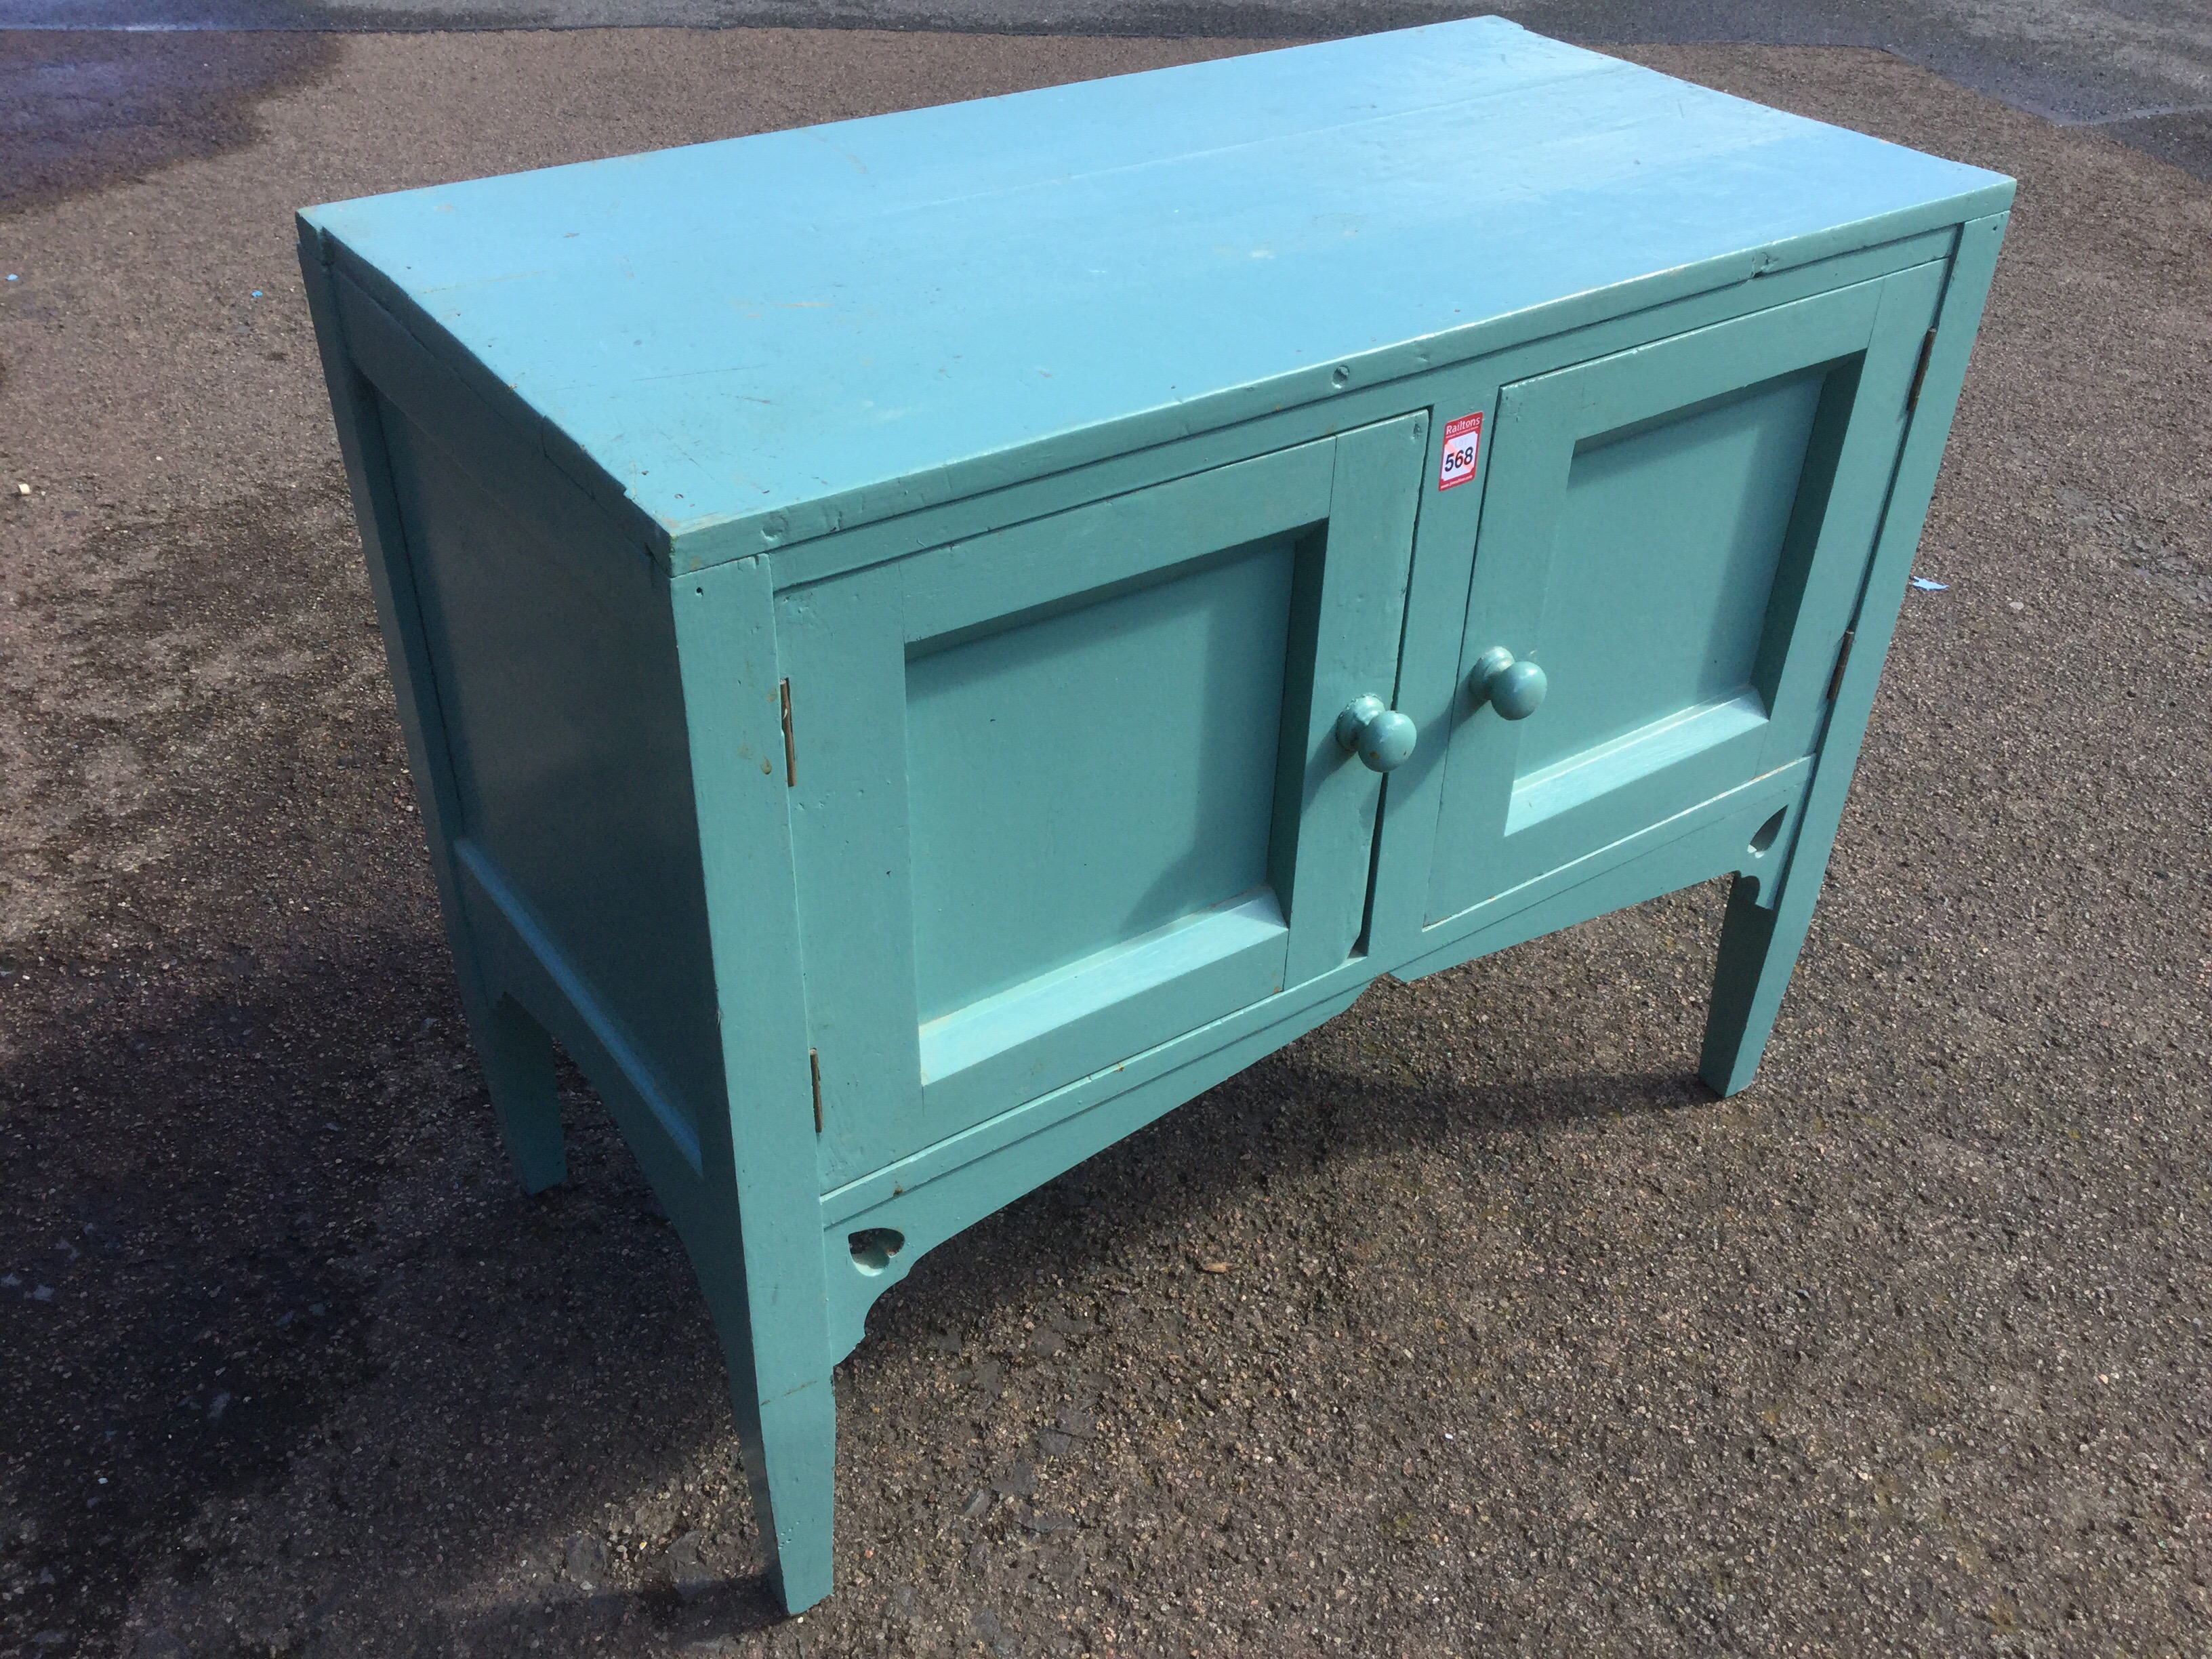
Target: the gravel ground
pixel 1469 1323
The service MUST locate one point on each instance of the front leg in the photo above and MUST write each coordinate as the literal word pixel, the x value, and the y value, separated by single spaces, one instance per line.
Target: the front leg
pixel 1758 950
pixel 756 1232
pixel 781 1394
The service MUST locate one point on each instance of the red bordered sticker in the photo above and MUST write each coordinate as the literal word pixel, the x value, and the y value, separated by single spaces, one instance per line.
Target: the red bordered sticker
pixel 1463 443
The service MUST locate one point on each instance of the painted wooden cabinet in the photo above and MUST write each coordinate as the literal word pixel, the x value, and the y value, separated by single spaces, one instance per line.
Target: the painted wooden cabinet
pixel 929 641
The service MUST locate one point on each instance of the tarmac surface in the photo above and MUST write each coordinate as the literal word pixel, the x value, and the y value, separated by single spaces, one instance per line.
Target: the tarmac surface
pixel 1523 1344
pixel 2141 69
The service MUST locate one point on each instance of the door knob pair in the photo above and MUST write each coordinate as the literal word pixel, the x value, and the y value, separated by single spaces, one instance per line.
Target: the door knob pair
pixel 1383 739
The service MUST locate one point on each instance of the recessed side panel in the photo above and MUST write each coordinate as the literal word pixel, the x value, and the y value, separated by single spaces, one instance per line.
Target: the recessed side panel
pixel 1079 780
pixel 563 716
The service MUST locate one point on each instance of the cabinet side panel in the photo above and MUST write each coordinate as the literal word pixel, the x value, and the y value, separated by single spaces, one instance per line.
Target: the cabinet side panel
pixel 563 718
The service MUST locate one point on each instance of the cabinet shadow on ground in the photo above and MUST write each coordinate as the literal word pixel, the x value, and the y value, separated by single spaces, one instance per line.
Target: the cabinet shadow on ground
pixel 311 1314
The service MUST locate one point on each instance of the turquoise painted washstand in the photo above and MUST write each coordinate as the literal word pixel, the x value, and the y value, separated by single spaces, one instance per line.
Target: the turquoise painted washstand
pixel 926 641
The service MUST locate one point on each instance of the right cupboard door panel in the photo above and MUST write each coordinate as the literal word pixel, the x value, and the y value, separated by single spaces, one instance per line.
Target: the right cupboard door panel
pixel 1675 536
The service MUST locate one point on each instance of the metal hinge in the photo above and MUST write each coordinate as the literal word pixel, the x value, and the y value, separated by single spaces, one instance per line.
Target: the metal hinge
pixel 790 753
pixel 1843 656
pixel 814 1065
pixel 1920 370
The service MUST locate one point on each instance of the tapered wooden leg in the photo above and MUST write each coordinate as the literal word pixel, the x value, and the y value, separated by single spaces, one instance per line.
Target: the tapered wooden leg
pixel 754 1231
pixel 518 1063
pixel 786 1408
pixel 1758 950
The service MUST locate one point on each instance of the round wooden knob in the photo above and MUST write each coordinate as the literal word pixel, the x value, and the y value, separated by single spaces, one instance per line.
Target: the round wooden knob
pixel 1515 690
pixel 1382 737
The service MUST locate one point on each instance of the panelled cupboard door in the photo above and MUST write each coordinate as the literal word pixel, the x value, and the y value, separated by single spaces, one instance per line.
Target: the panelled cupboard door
pixel 1675 536
pixel 1069 790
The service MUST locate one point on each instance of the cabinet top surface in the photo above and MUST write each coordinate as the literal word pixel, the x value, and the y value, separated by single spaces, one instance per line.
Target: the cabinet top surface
pixel 762 337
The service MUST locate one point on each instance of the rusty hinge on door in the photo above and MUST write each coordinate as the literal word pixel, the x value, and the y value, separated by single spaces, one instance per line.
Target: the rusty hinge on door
pixel 790 753
pixel 1843 656
pixel 814 1065
pixel 1920 371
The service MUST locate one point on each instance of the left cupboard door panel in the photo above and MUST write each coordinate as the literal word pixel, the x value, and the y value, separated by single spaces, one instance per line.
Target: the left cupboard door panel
pixel 1067 791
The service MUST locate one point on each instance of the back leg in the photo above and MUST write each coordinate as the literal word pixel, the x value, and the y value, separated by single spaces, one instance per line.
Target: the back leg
pixel 518 1063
